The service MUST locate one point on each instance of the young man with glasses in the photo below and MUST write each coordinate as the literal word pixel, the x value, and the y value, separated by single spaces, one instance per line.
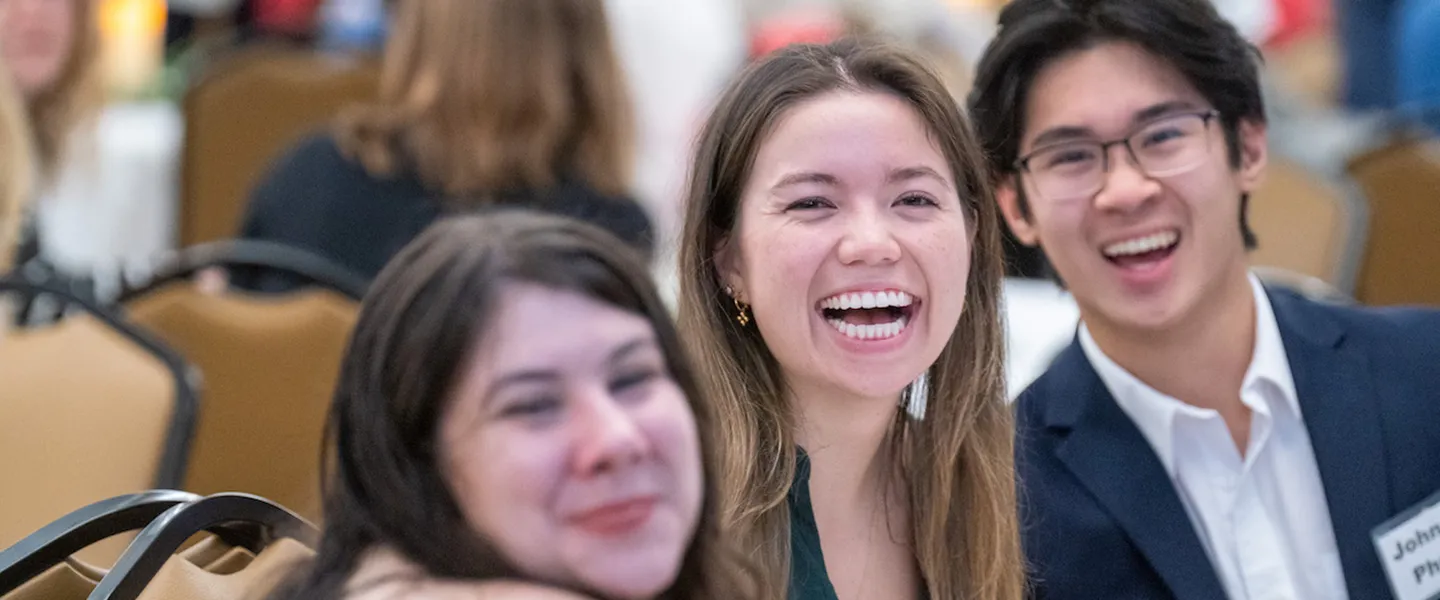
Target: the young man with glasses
pixel 1204 437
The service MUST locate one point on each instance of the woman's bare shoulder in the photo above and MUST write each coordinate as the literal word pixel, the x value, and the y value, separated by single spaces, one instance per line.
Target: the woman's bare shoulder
pixel 384 575
pixel 456 590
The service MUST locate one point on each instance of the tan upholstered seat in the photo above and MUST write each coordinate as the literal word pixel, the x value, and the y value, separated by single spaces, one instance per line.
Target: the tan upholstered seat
pixel 241 116
pixel 270 365
pixel 1402 183
pixel 69 580
pixel 209 570
pixel 84 415
pixel 1306 225
pixel 238 575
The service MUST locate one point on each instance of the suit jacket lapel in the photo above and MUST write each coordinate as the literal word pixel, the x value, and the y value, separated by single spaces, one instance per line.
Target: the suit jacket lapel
pixel 1342 414
pixel 1110 457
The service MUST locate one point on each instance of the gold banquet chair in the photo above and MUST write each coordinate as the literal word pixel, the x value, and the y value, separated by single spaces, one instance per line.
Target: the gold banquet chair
pixel 1309 225
pixel 270 364
pixel 90 407
pixel 1402 182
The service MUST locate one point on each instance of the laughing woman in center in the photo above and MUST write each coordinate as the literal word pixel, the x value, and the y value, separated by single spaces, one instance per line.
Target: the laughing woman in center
pixel 840 284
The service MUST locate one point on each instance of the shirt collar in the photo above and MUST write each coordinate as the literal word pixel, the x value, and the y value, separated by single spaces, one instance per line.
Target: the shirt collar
pixel 1154 413
pixel 1269 362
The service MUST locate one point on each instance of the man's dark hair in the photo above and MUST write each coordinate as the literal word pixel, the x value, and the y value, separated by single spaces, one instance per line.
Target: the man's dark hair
pixel 1187 34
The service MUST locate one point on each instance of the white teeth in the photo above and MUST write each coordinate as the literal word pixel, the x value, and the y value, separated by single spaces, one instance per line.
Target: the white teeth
pixel 1149 243
pixel 854 300
pixel 879 331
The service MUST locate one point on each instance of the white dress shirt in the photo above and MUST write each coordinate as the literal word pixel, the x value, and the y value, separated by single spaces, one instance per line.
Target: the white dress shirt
pixel 1262 518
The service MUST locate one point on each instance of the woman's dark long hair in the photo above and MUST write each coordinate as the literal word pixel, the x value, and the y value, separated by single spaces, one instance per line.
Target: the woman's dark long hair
pixel 421 320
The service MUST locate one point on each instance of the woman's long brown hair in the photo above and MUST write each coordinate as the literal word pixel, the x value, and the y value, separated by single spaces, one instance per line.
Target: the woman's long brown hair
pixel 957 463
pixel 482 96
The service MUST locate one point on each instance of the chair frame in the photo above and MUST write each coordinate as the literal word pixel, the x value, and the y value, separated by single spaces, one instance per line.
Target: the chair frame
pixel 242 520
pixel 185 263
pixel 55 542
pixel 175 453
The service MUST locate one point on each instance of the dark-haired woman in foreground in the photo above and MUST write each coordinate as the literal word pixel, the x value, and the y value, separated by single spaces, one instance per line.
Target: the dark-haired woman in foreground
pixel 515 419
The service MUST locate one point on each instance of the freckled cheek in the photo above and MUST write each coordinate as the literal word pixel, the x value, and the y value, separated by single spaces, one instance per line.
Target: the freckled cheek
pixel 945 257
pixel 783 266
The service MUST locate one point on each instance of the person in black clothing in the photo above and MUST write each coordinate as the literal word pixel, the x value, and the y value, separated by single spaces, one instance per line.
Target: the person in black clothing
pixel 482 104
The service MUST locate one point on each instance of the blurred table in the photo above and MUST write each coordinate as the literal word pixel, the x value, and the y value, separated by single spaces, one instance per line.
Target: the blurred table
pixel 112 209
pixel 1040 320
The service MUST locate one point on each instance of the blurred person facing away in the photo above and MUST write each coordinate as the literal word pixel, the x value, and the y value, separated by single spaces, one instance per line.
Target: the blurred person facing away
pixel 1205 436
pixel 515 418
pixel 482 104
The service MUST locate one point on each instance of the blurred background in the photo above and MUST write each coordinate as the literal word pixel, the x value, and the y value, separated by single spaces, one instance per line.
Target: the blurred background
pixel 174 113
pixel 203 97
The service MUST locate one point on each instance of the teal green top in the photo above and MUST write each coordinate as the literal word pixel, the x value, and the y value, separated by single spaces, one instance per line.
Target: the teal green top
pixel 808 579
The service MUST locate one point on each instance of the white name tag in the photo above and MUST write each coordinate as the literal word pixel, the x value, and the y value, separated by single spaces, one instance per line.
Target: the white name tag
pixel 1409 547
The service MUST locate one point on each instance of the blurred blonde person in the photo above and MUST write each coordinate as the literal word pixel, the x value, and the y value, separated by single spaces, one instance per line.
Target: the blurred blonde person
pixel 15 176
pixel 101 200
pixel 51 49
pixel 15 170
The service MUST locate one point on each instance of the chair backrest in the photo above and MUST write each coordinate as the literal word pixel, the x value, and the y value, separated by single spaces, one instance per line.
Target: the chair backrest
pixel 310 268
pixel 1308 225
pixel 1402 183
pixel 89 408
pixel 1312 288
pixel 243 113
pixel 270 365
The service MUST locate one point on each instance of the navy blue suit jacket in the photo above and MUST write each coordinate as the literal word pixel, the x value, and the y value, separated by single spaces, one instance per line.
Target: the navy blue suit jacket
pixel 1101 519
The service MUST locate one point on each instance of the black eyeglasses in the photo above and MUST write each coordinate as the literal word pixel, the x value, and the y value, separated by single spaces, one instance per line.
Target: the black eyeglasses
pixel 1163 148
